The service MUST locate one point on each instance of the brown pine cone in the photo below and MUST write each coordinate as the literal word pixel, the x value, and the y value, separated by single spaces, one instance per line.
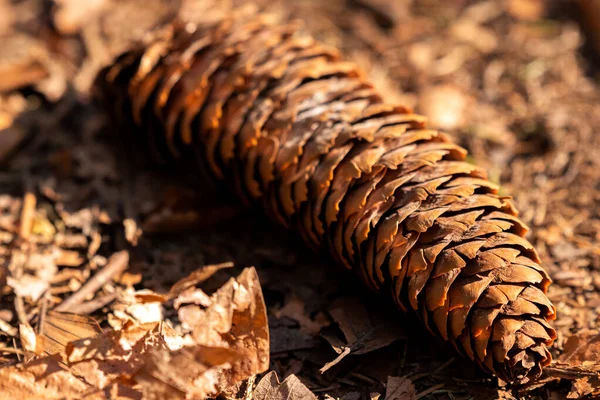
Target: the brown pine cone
pixel 279 118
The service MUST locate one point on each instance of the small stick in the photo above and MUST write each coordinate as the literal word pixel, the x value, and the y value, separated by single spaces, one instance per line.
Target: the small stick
pixel 43 311
pixel 117 263
pixel 336 360
pixel 250 387
pixel 20 309
pixel 89 307
pixel 27 212
pixel 430 390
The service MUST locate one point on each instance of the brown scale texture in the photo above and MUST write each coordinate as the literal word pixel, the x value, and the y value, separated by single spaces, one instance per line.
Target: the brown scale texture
pixel 285 123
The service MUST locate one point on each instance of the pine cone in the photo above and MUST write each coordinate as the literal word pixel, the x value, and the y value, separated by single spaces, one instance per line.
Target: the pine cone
pixel 280 119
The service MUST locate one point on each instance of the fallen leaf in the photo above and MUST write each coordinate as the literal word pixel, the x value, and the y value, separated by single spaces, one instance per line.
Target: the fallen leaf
pixel 582 347
pixel 582 387
pixel 580 362
pixel 8 328
pixel 294 309
pixel 196 277
pixel 291 388
pixel 182 210
pixel 192 296
pixel 58 329
pixel 23 61
pixel 238 319
pixel 28 338
pixel 400 388
pixel 47 378
pixel 364 330
pixel 198 372
pixel 29 286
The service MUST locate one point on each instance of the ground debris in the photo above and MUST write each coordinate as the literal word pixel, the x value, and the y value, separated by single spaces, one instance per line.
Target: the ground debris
pixel 151 356
pixel 523 100
pixel 363 330
pixel 400 388
pixel 269 388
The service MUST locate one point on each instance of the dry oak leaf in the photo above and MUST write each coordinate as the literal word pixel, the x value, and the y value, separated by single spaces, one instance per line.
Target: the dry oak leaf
pixel 400 388
pixel 291 388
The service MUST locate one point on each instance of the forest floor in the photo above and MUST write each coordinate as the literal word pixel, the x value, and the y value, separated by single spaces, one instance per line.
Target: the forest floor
pixel 86 227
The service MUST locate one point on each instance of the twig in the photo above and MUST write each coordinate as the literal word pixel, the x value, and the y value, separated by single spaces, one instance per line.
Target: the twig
pixel 330 364
pixel 43 311
pixel 250 387
pixel 117 263
pixel 17 350
pixel 89 307
pixel 10 350
pixel 20 309
pixel 27 212
pixel 430 390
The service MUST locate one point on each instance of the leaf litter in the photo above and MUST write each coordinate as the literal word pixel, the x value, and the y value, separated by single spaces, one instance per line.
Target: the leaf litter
pixel 522 104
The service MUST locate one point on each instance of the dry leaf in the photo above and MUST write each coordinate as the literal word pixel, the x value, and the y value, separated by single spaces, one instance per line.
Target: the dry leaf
pixel 58 329
pixel 291 388
pixel 28 286
pixel 363 330
pixel 182 210
pixel 400 388
pixel 583 387
pixel 28 338
pixel 238 319
pixel 581 348
pixel 149 358
pixel 196 277
pixel 581 357
pixel 46 378
pixel 197 374
pixel 294 309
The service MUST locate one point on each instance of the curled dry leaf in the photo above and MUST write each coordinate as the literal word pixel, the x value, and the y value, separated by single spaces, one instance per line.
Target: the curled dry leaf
pixel 291 388
pixel 237 319
pixel 198 372
pixel 196 277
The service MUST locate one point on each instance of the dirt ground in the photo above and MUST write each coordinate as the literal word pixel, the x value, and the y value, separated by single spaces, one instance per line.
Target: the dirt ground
pixel 515 82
